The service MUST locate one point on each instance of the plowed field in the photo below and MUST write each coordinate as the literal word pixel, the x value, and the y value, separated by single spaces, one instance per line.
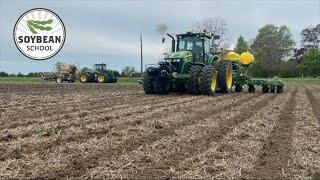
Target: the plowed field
pixel 116 131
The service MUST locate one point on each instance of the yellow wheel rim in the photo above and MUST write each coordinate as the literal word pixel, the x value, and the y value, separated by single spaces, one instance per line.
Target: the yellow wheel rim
pixel 83 78
pixel 101 78
pixel 213 82
pixel 229 78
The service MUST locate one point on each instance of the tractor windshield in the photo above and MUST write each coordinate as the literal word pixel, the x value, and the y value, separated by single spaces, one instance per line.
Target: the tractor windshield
pixel 189 44
pixel 99 67
pixel 193 44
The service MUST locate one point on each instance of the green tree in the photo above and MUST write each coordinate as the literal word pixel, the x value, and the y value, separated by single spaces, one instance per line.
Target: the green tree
pixel 4 74
pixel 272 47
pixel 242 46
pixel 20 75
pixel 310 64
pixel 85 69
pixel 129 71
pixel 32 74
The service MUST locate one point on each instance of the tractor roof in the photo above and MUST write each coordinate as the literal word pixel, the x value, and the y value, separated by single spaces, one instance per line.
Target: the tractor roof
pixel 190 34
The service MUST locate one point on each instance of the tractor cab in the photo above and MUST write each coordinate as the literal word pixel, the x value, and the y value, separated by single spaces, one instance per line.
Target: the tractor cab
pixel 193 47
pixel 197 43
pixel 99 67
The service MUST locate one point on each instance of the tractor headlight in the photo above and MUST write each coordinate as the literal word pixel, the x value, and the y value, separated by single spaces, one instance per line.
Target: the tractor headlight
pixel 178 60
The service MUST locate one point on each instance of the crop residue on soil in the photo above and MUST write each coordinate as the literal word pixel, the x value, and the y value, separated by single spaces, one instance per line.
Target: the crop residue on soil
pixel 116 131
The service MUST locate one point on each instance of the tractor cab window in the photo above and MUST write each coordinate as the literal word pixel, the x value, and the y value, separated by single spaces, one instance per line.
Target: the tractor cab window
pixel 193 44
pixel 99 67
pixel 207 48
pixel 189 43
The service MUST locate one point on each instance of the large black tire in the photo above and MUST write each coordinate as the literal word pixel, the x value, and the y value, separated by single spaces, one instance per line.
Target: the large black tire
pixel 194 81
pixel 238 88
pixel 251 89
pixel 84 78
pixel 265 89
pixel 162 87
pixel 148 84
pixel 103 78
pixel 225 76
pixel 279 90
pixel 272 90
pixel 208 78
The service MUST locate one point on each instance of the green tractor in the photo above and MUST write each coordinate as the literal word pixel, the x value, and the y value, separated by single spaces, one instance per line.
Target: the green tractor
pixel 195 65
pixel 99 74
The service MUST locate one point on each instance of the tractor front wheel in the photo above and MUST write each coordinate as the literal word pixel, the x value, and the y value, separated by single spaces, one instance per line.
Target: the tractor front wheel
pixel 84 78
pixel 194 81
pixel 208 78
pixel 162 87
pixel 148 84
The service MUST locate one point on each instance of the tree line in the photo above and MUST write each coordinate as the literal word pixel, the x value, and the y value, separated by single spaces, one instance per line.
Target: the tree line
pixel 276 53
pixel 127 71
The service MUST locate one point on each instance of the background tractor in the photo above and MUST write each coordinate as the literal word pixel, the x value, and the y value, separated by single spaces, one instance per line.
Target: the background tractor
pixel 196 65
pixel 99 74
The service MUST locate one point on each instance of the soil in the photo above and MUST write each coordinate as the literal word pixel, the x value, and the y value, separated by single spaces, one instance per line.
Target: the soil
pixel 117 131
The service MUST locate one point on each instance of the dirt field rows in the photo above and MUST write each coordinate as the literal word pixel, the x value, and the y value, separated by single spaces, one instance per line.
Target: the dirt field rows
pixel 116 131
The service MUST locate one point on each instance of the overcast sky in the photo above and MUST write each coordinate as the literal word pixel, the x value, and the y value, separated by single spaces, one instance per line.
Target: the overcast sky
pixel 108 31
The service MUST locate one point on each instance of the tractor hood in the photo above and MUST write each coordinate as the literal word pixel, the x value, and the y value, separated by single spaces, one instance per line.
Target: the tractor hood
pixel 178 55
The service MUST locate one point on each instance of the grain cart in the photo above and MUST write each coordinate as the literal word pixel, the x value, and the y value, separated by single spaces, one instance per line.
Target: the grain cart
pixel 98 74
pixel 196 66
pixel 66 72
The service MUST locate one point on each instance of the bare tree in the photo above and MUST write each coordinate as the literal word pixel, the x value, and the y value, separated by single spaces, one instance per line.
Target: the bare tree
pixel 310 37
pixel 217 26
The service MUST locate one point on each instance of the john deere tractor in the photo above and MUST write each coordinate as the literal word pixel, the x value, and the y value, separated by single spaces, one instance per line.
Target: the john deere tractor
pixel 195 65
pixel 98 74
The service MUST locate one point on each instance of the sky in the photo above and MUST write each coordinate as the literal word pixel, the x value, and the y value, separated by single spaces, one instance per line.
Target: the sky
pixel 108 30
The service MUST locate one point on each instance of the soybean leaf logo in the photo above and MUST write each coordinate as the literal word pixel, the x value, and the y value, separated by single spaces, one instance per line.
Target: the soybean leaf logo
pixel 40 25
pixel 39 34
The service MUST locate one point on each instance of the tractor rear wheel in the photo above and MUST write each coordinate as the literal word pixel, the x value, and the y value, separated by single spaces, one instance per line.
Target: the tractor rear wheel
pixel 84 78
pixel 265 89
pixel 148 84
pixel 225 76
pixel 208 78
pixel 194 81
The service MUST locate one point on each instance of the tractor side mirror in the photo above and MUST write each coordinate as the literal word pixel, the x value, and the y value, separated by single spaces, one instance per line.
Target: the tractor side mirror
pixel 163 39
pixel 216 37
